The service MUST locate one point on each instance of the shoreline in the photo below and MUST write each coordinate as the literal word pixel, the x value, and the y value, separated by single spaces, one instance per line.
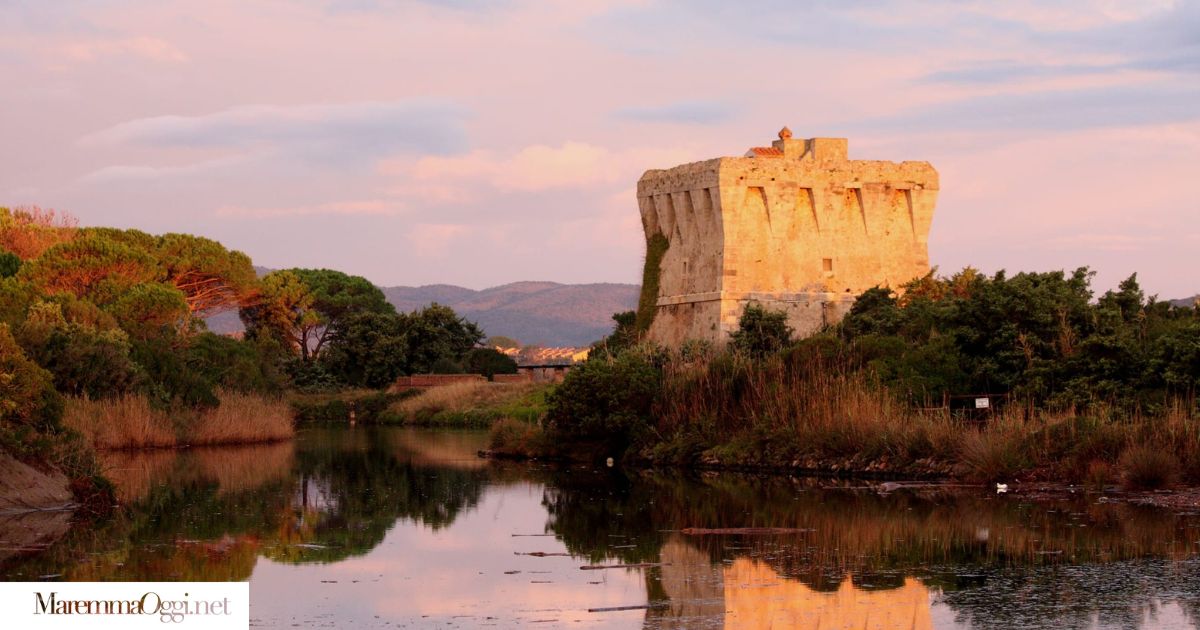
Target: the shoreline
pixel 1178 499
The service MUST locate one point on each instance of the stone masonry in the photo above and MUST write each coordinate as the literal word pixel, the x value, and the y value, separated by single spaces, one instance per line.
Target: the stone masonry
pixel 796 227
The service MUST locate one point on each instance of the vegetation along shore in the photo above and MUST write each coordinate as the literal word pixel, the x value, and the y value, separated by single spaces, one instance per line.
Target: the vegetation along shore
pixel 974 377
pixel 103 346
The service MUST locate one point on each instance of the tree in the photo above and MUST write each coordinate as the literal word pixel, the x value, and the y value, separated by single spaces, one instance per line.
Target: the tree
pixel 28 399
pixel 437 332
pixel 369 349
pixel 624 334
pixel 761 332
pixel 150 309
pixel 82 359
pixel 212 278
pixel 307 307
pixel 10 264
pixel 92 266
pixel 488 362
pixel 27 232
pixel 500 341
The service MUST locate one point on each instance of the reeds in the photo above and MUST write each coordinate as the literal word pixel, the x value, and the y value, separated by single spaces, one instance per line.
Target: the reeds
pixel 131 422
pixel 126 421
pixel 821 411
pixel 242 419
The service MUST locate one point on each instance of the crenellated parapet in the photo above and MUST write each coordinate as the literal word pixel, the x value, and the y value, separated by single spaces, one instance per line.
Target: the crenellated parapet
pixel 797 226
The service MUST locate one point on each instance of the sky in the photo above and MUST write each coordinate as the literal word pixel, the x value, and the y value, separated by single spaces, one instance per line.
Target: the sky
pixel 480 142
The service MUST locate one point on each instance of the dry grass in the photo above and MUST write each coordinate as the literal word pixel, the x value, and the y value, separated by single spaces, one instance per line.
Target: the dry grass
pixel 130 422
pixel 466 400
pixel 777 410
pixel 124 422
pixel 242 419
pixel 1145 467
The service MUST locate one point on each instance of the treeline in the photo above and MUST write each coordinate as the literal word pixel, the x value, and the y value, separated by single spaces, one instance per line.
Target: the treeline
pixel 339 330
pixel 1082 385
pixel 102 314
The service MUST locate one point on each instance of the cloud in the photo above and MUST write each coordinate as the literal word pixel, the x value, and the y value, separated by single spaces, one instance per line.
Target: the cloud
pixel 535 168
pixel 376 207
pixel 691 112
pixel 336 131
pixel 152 48
pixel 991 72
pixel 135 173
pixel 1052 110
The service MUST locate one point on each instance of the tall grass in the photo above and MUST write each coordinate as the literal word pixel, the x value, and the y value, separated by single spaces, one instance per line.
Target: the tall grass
pixel 127 421
pixel 131 422
pixel 472 403
pixel 808 410
pixel 242 419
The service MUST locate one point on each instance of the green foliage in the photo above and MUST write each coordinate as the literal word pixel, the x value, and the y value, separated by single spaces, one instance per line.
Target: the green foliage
pixel 607 400
pixel 369 407
pixel 437 336
pixel 656 249
pixel 10 264
pixel 1037 336
pixel 28 400
pixel 94 266
pixel 235 364
pixel 500 341
pixel 488 362
pixel 624 335
pixel 369 349
pixel 306 308
pixel 151 309
pixel 84 360
pixel 761 332
pixel 169 380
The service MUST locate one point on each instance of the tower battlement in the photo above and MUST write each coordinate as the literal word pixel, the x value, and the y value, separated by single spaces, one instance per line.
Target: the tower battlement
pixel 797 227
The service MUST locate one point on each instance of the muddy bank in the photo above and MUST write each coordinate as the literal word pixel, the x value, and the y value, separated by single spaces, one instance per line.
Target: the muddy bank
pixel 35 507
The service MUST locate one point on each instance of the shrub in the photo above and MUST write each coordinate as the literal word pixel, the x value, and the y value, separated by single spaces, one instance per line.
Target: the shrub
pixel 85 361
pixel 607 400
pixel 235 364
pixel 1148 467
pixel 992 454
pixel 517 438
pixel 761 332
pixel 28 400
pixel 488 362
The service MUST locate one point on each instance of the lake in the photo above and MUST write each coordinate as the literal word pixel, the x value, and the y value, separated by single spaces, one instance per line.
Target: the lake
pixel 391 527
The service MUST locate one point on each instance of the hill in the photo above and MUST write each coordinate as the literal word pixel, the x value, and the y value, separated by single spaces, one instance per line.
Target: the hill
pixel 542 313
pixel 1185 302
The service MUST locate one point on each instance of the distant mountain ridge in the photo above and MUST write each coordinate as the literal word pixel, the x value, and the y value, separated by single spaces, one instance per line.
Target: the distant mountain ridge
pixel 541 313
pixel 1185 302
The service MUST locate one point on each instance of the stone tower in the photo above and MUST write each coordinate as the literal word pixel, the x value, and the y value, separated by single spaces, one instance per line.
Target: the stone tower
pixel 796 227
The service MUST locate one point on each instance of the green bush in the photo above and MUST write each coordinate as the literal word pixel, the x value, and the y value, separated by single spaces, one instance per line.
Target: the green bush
pixel 761 332
pixel 28 400
pixel 607 400
pixel 83 360
pixel 488 362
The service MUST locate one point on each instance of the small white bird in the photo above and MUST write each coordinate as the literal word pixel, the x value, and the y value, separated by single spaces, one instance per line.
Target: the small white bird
pixel 1001 488
pixel 609 462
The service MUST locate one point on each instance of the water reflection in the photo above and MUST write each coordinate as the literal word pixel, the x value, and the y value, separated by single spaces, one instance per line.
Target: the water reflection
pixel 369 527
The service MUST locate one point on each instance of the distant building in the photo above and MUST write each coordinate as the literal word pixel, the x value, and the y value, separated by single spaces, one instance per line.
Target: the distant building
pixel 796 226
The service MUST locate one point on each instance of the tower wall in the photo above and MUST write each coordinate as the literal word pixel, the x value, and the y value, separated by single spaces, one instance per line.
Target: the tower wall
pixel 797 227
